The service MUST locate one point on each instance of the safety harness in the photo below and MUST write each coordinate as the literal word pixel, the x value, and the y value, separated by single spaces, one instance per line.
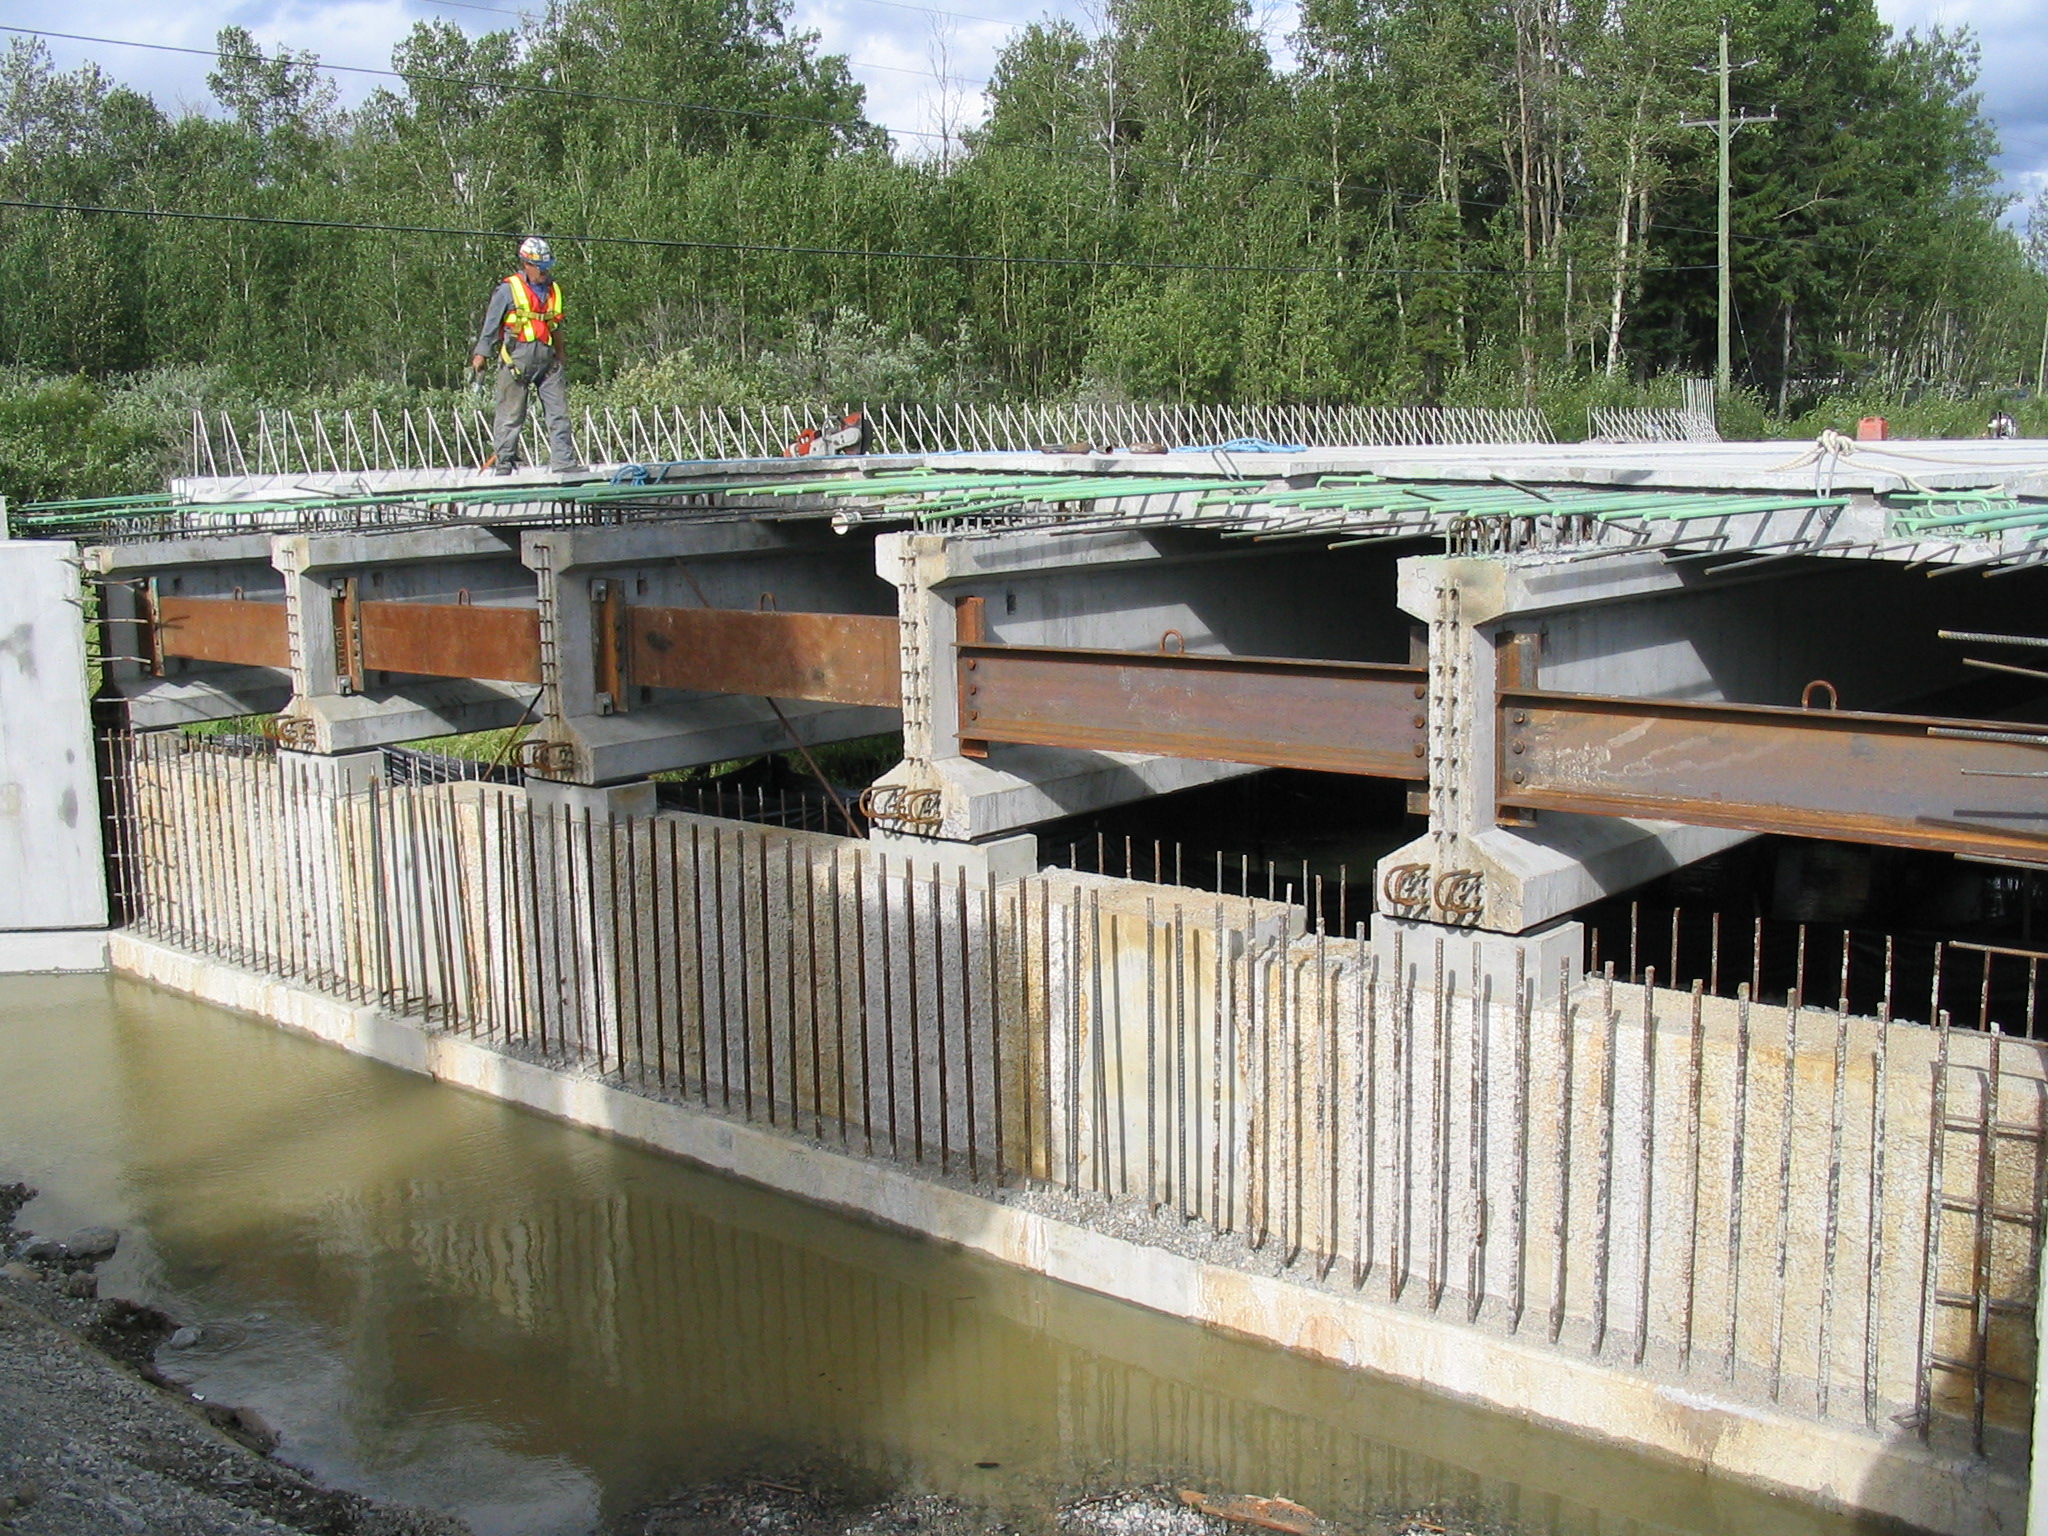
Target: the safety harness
pixel 529 319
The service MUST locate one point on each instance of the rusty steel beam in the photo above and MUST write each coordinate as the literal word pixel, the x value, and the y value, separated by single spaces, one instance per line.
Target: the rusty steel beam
pixel 1904 781
pixel 1333 716
pixel 239 631
pixel 832 658
pixel 450 640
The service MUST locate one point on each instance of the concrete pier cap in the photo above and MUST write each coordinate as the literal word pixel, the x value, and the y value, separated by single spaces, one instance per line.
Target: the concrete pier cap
pixel 1493 621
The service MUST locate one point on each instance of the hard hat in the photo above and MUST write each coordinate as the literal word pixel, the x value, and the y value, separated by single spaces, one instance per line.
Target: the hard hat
pixel 535 250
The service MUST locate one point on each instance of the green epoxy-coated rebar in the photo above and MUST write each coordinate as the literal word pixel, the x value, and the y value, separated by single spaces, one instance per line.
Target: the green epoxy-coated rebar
pixel 929 496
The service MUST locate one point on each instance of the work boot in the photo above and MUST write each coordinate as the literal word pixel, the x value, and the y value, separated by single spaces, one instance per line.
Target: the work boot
pixel 569 469
pixel 501 469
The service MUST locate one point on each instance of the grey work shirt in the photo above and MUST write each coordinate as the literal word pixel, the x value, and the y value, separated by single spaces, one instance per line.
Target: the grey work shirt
pixel 530 357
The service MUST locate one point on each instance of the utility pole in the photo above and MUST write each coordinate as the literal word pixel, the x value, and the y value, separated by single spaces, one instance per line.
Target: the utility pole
pixel 1724 127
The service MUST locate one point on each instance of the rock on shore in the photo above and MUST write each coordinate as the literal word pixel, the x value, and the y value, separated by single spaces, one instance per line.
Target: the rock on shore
pixel 94 1443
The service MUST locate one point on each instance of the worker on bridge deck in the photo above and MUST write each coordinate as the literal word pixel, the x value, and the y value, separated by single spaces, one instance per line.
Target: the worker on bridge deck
pixel 523 325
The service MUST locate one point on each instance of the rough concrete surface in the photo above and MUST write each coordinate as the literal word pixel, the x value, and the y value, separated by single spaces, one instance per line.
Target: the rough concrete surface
pixel 49 796
pixel 1829 1464
pixel 93 1440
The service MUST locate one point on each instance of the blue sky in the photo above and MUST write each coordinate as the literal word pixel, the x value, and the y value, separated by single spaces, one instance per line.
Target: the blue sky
pixel 923 70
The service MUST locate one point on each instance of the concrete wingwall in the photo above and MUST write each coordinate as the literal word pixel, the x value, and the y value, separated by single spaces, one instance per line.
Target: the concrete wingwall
pixel 53 902
pixel 1780 1216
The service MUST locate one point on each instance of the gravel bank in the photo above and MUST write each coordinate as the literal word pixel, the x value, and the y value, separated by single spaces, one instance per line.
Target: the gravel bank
pixel 814 1506
pixel 93 1440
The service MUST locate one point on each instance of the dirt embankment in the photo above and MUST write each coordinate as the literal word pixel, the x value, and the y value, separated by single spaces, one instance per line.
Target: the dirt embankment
pixel 94 1439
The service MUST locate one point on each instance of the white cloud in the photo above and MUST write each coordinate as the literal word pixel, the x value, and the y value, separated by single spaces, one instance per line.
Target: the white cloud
pixel 2013 35
pixel 923 71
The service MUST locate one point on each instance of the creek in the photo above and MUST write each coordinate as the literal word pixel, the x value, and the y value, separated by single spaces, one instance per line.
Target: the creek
pixel 443 1300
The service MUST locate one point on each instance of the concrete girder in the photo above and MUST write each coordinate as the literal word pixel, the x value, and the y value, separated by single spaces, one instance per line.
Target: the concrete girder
pixel 342 700
pixel 147 678
pixel 600 727
pixel 1133 590
pixel 1632 626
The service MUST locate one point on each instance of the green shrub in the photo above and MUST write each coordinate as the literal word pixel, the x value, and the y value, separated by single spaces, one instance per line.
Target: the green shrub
pixel 63 438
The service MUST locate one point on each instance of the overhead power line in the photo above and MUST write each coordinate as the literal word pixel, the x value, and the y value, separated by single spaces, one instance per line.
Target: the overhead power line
pixel 661 242
pixel 471 82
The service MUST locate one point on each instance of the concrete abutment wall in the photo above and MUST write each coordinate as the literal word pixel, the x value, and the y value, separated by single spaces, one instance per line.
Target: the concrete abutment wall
pixel 1735 1214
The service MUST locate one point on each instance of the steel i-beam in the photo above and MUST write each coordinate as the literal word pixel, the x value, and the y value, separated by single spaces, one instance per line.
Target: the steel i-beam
pixel 1908 781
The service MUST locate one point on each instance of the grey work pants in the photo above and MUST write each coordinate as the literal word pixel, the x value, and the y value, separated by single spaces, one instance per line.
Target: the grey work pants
pixel 514 397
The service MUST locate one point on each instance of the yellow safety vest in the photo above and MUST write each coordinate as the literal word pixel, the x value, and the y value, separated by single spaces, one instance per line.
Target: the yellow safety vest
pixel 528 319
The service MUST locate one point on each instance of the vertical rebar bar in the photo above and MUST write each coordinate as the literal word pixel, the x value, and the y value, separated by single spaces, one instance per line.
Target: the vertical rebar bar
pixel 1603 1199
pixel 1439 1133
pixel 916 1025
pixel 1071 932
pixel 1880 1100
pixel 675 1033
pixel 1100 1073
pixel 1257 1083
pixel 697 959
pixel 835 895
pixel 1362 1010
pixel 1937 1194
pixel 1561 1219
pixel 1694 1135
pixel 1177 1109
pixel 867 1024
pixel 382 907
pixel 1785 1188
pixel 1151 1063
pixel 1980 1260
pixel 632 830
pixel 1646 1153
pixel 1325 1136
pixel 1843 1006
pixel 1834 1204
pixel 1738 1146
pixel 1476 1110
pixel 991 929
pixel 718 911
pixel 596 944
pixel 966 1022
pixel 1934 990
pixel 1524 1009
pixel 761 892
pixel 811 994
pixel 1222 1051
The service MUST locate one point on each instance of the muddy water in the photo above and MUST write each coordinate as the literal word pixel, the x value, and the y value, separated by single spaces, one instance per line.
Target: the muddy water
pixel 447 1301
